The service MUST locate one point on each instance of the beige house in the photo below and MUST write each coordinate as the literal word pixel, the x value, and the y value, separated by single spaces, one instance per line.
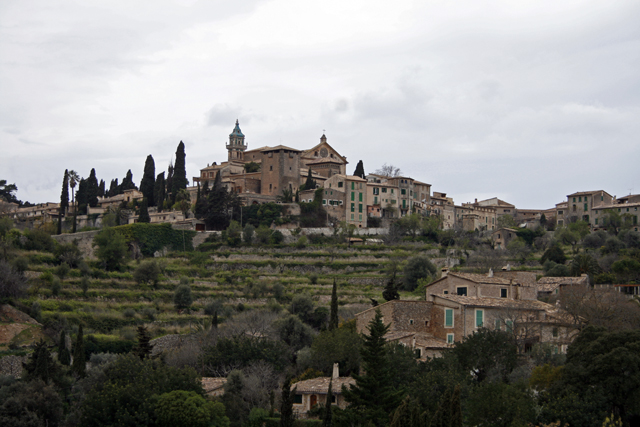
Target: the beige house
pixel 352 192
pixel 580 205
pixel 502 236
pixel 552 286
pixel 627 207
pixel 126 197
pixel 459 304
pixel 443 206
pixel 309 393
pixel 501 207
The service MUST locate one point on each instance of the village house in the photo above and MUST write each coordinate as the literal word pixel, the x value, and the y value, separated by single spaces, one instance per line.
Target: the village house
pixel 626 207
pixel 309 393
pixel 552 286
pixel 580 205
pixel 443 206
pixel 502 236
pixel 458 304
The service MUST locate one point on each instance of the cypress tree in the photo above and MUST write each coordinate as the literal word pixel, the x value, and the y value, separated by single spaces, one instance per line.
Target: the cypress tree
pixel 147 185
pixel 41 364
pixel 456 409
pixel 64 200
pixel 390 291
pixel 79 365
pixel 81 197
pixel 201 201
pixel 326 419
pixel 169 184
pixel 333 318
pixel 144 347
pixel 359 170
pixel 64 357
pixel 179 181
pixel 143 216
pixel 92 189
pixel 101 188
pixel 159 191
pixel 217 217
pixel 286 407
pixel 114 188
pixel 127 183
pixel 310 183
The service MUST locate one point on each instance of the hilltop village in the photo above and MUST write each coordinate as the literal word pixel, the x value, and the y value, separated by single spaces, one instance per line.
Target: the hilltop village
pixel 279 290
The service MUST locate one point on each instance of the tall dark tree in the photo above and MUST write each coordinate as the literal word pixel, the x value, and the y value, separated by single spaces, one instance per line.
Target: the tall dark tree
pixel 179 181
pixel 81 197
pixel 287 418
pixel 310 183
pixel 101 188
pixel 143 216
pixel 169 183
pixel 147 185
pixel 159 191
pixel 390 291
pixel 359 170
pixel 328 414
pixel 41 364
pixel 64 199
pixel 373 398
pixel 7 190
pixel 217 216
pixel 92 189
pixel 333 317
pixel 127 183
pixel 64 357
pixel 79 364
pixel 201 200
pixel 144 347
pixel 114 188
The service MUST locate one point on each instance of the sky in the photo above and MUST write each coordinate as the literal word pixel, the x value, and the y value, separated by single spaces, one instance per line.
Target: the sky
pixel 527 101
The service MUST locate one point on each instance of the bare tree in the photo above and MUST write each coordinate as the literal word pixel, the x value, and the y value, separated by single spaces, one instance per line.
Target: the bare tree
pixel 256 323
pixel 600 307
pixel 388 171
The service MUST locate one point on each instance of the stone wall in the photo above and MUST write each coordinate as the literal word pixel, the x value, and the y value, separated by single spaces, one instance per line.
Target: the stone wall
pixel 84 240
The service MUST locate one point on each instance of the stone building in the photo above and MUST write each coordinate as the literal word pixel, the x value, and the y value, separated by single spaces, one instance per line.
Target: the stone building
pixel 309 393
pixel 626 207
pixel 580 205
pixel 458 304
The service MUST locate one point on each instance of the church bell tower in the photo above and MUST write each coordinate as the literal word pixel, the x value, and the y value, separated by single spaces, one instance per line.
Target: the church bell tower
pixel 236 145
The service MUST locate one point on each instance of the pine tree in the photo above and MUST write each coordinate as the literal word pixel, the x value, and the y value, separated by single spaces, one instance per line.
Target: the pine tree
pixel 79 364
pixel 373 398
pixel 144 347
pixel 159 191
pixel 408 415
pixel 101 188
pixel 114 188
pixel 286 407
pixel 143 216
pixel 92 189
pixel 179 173
pixel 64 357
pixel 147 185
pixel 359 170
pixel 333 318
pixel 456 409
pixel 326 419
pixel 64 200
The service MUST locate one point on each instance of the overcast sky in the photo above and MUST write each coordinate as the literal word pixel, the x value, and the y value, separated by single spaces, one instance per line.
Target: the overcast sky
pixel 524 100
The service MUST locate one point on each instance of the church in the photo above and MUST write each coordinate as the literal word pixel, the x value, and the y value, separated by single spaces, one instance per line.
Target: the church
pixel 262 174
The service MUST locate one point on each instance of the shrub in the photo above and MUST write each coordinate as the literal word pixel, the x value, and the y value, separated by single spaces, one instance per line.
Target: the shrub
pixel 419 267
pixel 62 270
pixel 147 272
pixel 129 313
pixel 313 278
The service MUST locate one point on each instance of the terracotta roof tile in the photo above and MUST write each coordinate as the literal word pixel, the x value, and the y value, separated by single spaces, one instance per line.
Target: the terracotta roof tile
pixel 321 385
pixel 497 302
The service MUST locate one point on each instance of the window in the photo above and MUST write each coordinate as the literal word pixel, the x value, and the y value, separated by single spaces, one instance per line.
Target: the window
pixel 585 207
pixel 448 317
pixel 445 292
pixel 509 324
pixel 353 197
pixel 359 197
pixel 359 217
pixel 449 338
pixel 555 332
pixel 479 318
pixel 340 184
pixel 359 207
pixel 559 212
pixel 352 216
pixel 403 191
pixel 503 293
pixel 596 221
pixel 574 200
pixel 353 185
pixel 579 199
pixel 297 398
pixel 353 207
pixel 497 324
pixel 324 201
pixel 411 321
pixel 384 190
pixel 462 291
pixel 376 191
pixel 270 168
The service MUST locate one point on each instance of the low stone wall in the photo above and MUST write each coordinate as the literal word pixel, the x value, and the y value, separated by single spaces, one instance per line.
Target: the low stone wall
pixel 84 240
pixel 12 365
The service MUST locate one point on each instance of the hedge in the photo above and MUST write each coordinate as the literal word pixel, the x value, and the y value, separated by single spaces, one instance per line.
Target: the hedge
pixel 154 237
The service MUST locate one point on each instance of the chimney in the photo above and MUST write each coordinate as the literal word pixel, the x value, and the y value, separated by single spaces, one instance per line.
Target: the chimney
pixel 490 273
pixel 336 371
pixel 445 271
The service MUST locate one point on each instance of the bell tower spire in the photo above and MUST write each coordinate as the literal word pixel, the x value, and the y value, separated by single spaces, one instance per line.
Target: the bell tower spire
pixel 236 145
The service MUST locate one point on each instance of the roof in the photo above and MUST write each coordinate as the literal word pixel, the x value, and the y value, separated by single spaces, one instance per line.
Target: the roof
pixel 587 193
pixel 495 202
pixel 321 385
pixel 482 278
pixel 396 301
pixel 496 302
pixel 211 384
pixel 550 284
pixel 323 141
pixel 617 206
pixel 280 147
pixel 236 130
pixel 325 160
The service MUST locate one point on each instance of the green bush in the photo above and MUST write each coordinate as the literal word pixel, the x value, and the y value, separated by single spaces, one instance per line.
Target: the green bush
pixel 99 343
pixel 154 237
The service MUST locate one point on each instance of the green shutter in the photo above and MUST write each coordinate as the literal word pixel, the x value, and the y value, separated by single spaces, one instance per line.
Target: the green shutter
pixel 448 317
pixel 479 318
